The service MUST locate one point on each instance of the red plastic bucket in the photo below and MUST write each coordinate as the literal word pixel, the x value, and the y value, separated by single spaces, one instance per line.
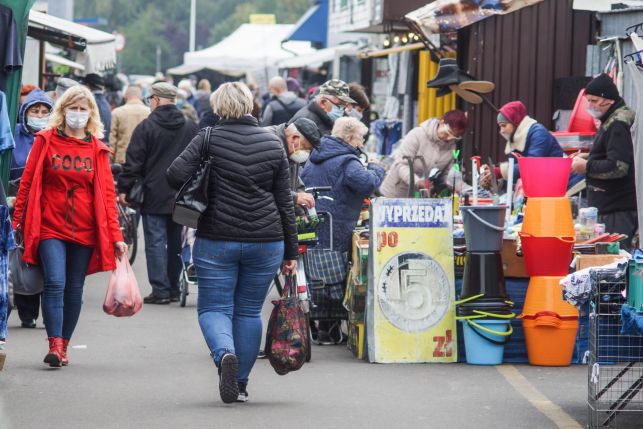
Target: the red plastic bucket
pixel 547 256
pixel 544 177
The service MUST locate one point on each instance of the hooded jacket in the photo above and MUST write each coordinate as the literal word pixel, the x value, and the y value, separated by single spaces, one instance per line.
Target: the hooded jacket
pixel 420 141
pixel 316 114
pixel 155 144
pixel 249 189
pixel 108 230
pixel 610 168
pixel 336 164
pixel 23 137
pixel 281 109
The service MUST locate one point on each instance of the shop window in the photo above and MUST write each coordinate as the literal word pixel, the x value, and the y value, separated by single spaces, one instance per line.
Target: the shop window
pixel 343 4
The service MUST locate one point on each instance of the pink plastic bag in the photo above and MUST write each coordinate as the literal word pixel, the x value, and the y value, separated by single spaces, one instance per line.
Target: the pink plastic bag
pixel 123 297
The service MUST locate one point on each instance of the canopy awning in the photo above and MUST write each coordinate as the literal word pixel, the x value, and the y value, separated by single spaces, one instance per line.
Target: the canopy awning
pixel 250 48
pixel 438 17
pixel 318 58
pixel 312 26
pixel 57 59
pixel 186 69
pixel 95 49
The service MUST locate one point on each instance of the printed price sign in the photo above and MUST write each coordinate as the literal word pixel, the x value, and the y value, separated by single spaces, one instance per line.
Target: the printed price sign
pixel 411 313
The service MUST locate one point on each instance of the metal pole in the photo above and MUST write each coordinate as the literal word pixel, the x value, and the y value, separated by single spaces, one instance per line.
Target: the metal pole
pixel 192 25
pixel 158 58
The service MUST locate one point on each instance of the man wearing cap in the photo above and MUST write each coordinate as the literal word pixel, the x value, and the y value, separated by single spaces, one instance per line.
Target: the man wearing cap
pixel 96 85
pixel 327 106
pixel 62 85
pixel 298 138
pixel 609 166
pixel 156 142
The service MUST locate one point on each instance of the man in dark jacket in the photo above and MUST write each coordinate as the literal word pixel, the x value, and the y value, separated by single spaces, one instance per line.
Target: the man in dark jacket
pixel 156 143
pixel 299 139
pixel 609 168
pixel 283 104
pixel 327 106
pixel 96 85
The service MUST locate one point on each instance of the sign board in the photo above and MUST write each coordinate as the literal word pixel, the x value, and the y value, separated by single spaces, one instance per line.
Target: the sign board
pixel 263 18
pixel 411 290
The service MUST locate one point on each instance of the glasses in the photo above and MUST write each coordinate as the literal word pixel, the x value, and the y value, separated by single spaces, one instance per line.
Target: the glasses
pixel 340 104
pixel 148 99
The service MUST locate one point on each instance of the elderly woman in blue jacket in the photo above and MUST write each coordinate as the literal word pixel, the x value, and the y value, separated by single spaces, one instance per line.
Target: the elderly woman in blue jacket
pixel 33 117
pixel 525 136
pixel 336 163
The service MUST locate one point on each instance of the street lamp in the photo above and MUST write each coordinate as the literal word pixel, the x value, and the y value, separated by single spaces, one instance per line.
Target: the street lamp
pixel 192 25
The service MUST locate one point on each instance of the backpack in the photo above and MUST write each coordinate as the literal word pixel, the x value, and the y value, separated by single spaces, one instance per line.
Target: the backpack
pixel 287 337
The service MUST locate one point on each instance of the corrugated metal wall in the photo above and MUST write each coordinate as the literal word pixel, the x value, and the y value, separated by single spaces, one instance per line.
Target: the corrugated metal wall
pixel 523 53
pixel 429 104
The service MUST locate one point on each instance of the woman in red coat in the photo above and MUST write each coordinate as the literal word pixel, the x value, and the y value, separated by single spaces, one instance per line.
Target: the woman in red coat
pixel 66 212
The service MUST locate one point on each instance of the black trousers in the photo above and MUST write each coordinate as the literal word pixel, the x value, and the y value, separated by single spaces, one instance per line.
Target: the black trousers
pixel 28 306
pixel 625 222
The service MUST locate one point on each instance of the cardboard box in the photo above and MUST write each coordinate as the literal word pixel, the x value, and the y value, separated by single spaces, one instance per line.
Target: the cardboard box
pixel 512 264
pixel 356 339
pixel 589 261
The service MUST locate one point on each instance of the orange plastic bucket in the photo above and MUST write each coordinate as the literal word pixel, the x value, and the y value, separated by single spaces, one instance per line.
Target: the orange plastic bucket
pixel 545 294
pixel 548 217
pixel 547 256
pixel 544 177
pixel 550 340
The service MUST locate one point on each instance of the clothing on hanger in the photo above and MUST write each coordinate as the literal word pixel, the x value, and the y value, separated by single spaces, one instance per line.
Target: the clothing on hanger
pixel 10 52
pixel 6 136
pixel 387 132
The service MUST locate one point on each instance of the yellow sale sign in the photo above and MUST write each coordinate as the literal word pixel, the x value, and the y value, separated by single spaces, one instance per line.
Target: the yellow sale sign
pixel 411 293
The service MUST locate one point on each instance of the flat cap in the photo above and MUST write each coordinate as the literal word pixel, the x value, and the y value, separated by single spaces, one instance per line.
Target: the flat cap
pixel 337 88
pixel 309 130
pixel 164 90
pixel 64 83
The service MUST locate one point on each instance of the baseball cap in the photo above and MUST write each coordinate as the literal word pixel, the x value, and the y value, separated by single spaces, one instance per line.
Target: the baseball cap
pixel 337 88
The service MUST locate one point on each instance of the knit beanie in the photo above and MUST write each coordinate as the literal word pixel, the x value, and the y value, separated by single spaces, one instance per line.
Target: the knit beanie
pixel 602 86
pixel 514 112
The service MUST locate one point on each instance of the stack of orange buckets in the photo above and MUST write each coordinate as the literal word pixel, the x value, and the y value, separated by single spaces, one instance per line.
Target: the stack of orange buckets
pixel 549 322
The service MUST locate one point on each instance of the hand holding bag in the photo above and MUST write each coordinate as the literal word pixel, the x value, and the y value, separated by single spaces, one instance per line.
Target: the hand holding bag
pixel 123 298
pixel 287 339
pixel 192 199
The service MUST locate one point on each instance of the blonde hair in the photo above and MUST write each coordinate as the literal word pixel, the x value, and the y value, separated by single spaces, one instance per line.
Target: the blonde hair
pixel 204 85
pixel 73 95
pixel 232 100
pixel 346 128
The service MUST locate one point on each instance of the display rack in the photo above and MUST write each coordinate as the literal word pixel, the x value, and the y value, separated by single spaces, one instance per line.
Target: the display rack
pixel 615 370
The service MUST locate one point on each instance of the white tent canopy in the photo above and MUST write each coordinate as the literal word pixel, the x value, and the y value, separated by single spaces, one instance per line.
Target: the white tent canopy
pixel 318 58
pixel 100 51
pixel 251 48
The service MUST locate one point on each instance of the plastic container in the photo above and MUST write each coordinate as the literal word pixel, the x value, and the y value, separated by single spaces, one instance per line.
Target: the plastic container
pixel 545 294
pixel 548 217
pixel 483 227
pixel 544 177
pixel 635 285
pixel 549 339
pixel 484 340
pixel 547 256
pixel 483 274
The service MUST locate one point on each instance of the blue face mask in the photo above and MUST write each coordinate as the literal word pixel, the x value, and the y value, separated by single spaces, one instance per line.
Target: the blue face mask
pixel 180 103
pixel 336 113
pixel 36 123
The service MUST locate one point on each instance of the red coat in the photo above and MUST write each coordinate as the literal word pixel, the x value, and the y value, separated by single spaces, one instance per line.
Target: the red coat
pixel 106 216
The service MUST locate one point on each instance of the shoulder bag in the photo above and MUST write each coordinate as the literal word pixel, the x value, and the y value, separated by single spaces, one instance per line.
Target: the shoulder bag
pixel 192 199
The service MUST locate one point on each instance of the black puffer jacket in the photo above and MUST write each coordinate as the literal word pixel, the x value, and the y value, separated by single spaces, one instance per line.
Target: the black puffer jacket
pixel 155 143
pixel 249 188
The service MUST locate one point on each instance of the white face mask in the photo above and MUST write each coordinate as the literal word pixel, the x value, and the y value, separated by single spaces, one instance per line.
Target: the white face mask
pixel 506 136
pixel 356 114
pixel 36 123
pixel 300 156
pixel 596 114
pixel 76 120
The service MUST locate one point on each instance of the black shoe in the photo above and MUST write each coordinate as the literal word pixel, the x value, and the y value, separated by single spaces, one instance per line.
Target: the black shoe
pixel 174 299
pixel 30 324
pixel 152 299
pixel 261 355
pixel 228 387
pixel 243 393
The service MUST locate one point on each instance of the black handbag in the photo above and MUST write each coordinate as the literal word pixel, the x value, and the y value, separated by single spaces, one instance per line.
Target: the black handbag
pixel 135 195
pixel 192 199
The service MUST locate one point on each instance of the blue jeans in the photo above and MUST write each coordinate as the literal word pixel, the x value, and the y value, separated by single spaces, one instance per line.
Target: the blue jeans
pixel 234 279
pixel 162 249
pixel 64 267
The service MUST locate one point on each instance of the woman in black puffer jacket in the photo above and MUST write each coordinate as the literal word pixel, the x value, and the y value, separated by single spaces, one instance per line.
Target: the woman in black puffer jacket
pixel 246 233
